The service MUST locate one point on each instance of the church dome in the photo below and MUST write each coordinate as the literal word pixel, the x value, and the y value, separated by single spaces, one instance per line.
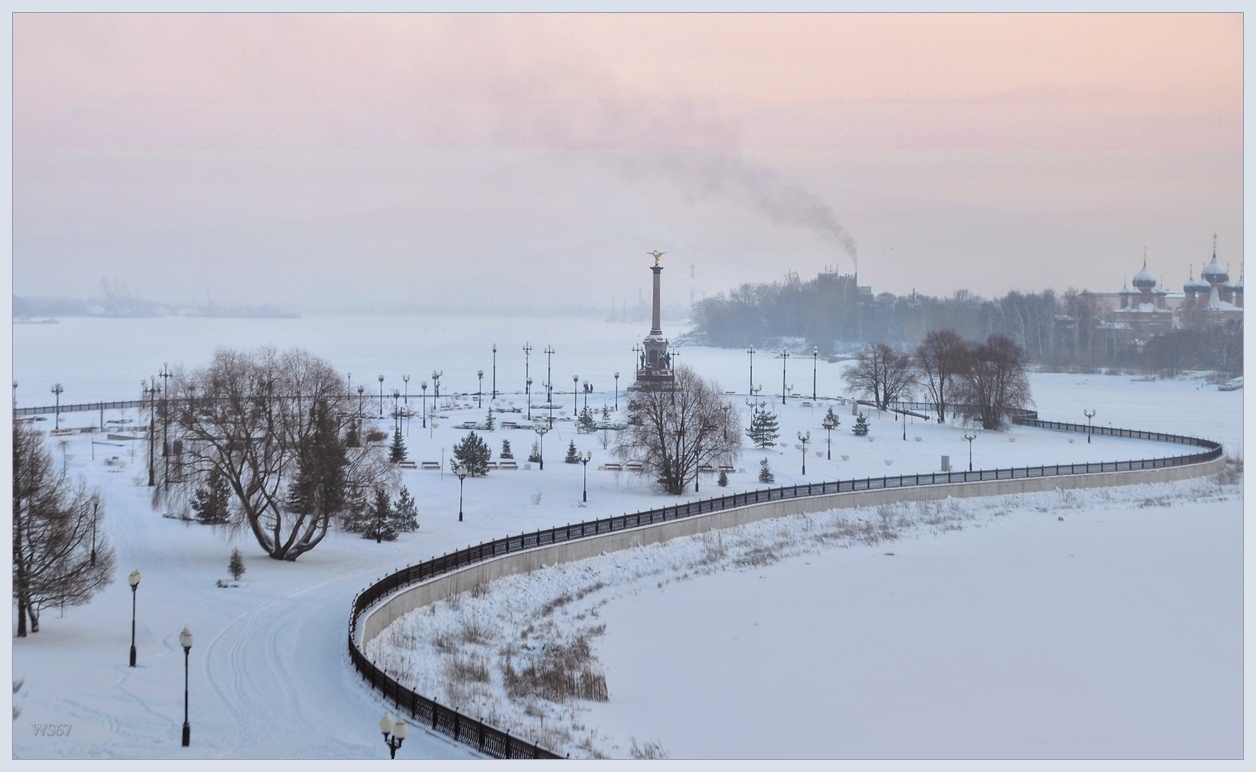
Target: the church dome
pixel 1213 273
pixel 1194 285
pixel 1143 279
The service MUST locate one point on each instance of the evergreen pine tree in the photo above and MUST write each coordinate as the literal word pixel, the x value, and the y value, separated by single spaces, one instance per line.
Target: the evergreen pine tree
pixel 763 429
pixel 506 452
pixel 535 456
pixel 405 515
pixel 765 472
pixel 473 453
pixel 586 424
pixel 236 564
pixel 573 456
pixel 379 524
pixel 489 421
pixel 321 478
pixel 398 451
pixel 212 501
pixel 861 426
pixel 830 419
pixel 722 481
pixel 356 514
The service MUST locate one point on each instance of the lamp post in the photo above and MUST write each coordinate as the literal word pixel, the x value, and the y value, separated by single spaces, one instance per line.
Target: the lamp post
pixel 396 395
pixel 804 439
pixel 970 438
pixel 616 391
pixel 152 425
pixel 381 396
pixel 784 359
pixel 479 395
pixel 405 398
pixel 527 353
pixel 638 358
pixel 461 471
pixel 185 640
pixel 57 389
pixel 588 456
pixel 379 514
pixel 494 395
pixel 436 374
pixel 587 389
pixel 165 423
pixel 349 384
pixel 527 390
pixel 575 394
pixel 750 351
pixel 549 379
pixel 423 403
pixel 541 430
pixel 134 581
pixel 815 362
pixel 95 506
pixel 394 734
pixel 1089 427
pixel 361 392
pixel 829 424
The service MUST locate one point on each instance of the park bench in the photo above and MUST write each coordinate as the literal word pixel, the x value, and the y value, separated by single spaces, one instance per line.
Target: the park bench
pixel 431 465
pixel 406 464
pixel 508 465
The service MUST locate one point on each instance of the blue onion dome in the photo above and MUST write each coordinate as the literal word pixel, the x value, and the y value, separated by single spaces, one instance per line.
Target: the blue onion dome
pixel 1127 291
pixel 1143 279
pixel 1213 273
pixel 1238 287
pixel 1195 285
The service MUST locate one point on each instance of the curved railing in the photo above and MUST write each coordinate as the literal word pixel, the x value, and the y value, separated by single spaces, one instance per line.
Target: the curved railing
pixel 494 742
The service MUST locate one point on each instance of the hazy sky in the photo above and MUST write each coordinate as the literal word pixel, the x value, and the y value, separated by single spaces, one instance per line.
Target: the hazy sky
pixel 533 160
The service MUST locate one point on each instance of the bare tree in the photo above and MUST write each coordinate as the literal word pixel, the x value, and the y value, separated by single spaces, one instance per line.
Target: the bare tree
pixel 939 359
pixel 276 427
pixel 674 432
pixel 882 373
pixel 60 556
pixel 993 383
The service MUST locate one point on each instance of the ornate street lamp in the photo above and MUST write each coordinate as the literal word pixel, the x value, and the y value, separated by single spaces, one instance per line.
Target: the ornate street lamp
pixel 527 389
pixel 95 506
pixel 394 734
pixel 479 395
pixel 527 353
pixel 587 390
pixel 461 471
pixel 381 396
pixel 549 379
pixel 134 581
pixel 804 439
pixel 575 394
pixel 494 396
pixel 784 359
pixel 541 430
pixel 361 392
pixel 423 404
pixel 829 424
pixel 815 361
pixel 1089 427
pixel 185 640
pixel 970 438
pixel 57 389
pixel 750 351
pixel 616 391
pixel 585 459
pixel 349 384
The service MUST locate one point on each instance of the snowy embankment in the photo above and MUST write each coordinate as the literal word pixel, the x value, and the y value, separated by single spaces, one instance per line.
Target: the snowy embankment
pixel 1042 573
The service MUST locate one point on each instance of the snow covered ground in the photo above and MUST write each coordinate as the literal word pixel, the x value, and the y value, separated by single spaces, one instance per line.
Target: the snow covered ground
pixel 270 678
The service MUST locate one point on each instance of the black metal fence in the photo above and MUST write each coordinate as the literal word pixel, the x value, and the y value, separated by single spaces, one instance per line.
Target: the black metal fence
pixel 83 407
pixel 497 743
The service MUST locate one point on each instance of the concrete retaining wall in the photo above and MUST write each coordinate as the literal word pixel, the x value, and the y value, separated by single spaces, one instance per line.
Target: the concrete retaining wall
pixel 419 595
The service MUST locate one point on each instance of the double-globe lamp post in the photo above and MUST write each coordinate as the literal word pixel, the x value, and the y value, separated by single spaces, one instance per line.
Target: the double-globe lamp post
pixel 57 389
pixel 1089 426
pixel 585 459
pixel 540 453
pixel 970 438
pixel 461 471
pixel 134 581
pixel 185 640
pixel 829 424
pixel 394 733
pixel 804 439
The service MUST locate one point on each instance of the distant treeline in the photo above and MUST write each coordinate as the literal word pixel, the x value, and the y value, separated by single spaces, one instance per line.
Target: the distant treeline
pixel 1056 331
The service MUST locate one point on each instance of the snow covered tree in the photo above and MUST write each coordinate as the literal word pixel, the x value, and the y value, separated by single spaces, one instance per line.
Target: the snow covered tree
pixel 586 424
pixel 54 521
pixel 763 429
pixel 765 472
pixel 861 426
pixel 379 524
pixel 882 373
pixel 722 480
pixel 830 420
pixel 535 456
pixel 573 455
pixel 272 424
pixel 212 501
pixel 939 361
pixel 673 432
pixel 236 564
pixel 993 382
pixel 356 514
pixel 405 515
pixel 397 453
pixel 489 421
pixel 473 453
pixel 506 451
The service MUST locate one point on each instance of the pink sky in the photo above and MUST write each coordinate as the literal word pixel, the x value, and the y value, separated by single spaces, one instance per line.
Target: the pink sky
pixel 329 156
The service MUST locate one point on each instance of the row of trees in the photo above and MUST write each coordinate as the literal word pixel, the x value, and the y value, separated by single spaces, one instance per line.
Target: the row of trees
pixel 980 381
